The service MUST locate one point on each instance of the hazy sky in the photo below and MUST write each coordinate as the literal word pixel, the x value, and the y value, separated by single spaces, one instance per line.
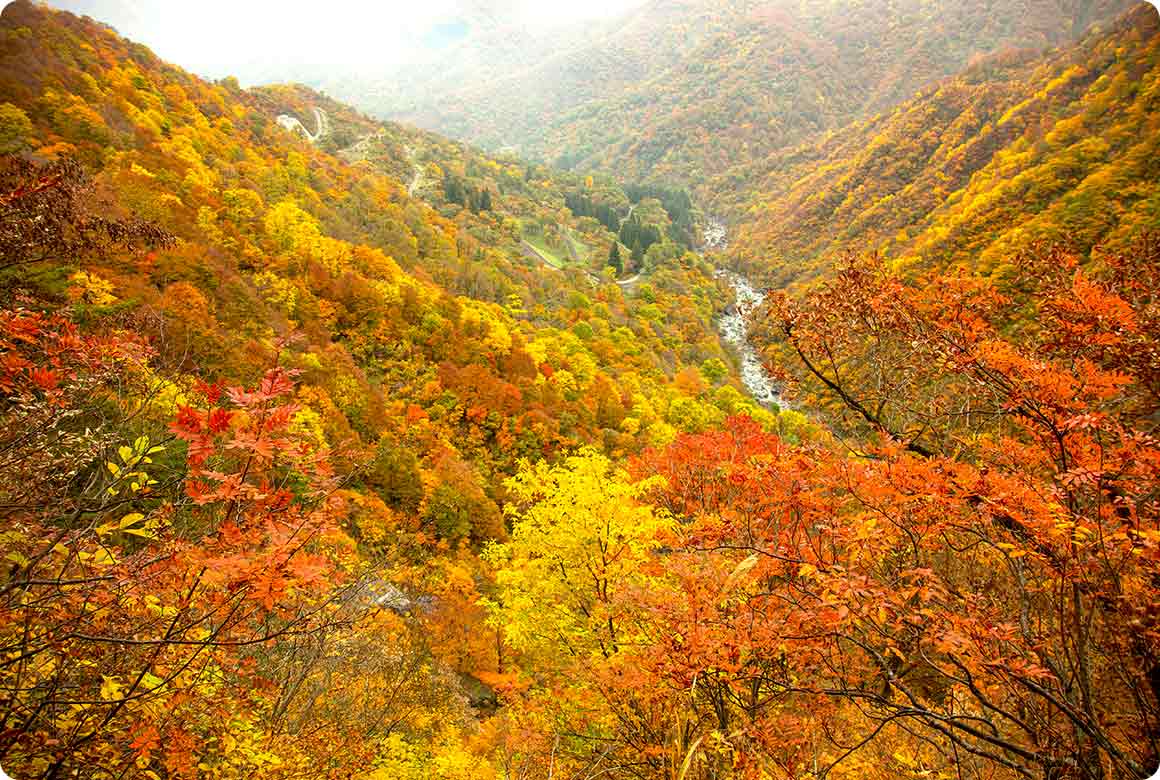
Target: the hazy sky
pixel 245 37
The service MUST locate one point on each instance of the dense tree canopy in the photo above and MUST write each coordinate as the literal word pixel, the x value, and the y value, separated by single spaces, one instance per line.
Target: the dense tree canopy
pixel 348 457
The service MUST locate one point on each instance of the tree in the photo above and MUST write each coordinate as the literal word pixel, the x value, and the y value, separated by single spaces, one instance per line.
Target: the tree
pixel 714 370
pixel 15 129
pixel 47 213
pixel 125 596
pixel 456 509
pixel 614 258
pixel 578 541
pixel 394 475
pixel 965 582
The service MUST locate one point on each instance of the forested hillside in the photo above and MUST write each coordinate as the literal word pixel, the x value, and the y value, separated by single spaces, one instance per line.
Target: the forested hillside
pixel 333 448
pixel 781 72
pixel 271 386
pixel 1016 149
pixel 500 84
pixel 681 92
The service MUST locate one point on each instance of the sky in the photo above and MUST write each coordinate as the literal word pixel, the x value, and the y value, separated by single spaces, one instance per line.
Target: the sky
pixel 244 38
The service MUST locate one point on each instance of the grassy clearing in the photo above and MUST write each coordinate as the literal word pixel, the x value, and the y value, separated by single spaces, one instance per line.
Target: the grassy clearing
pixel 579 249
pixel 550 255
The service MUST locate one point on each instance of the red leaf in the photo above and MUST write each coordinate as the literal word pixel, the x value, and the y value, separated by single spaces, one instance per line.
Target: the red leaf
pixel 188 423
pixel 43 378
pixel 219 420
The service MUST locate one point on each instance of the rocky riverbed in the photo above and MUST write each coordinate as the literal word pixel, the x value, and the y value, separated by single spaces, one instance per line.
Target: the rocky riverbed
pixel 734 329
pixel 734 323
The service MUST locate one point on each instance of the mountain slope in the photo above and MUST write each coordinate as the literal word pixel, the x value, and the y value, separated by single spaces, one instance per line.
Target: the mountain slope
pixel 683 91
pixel 785 72
pixel 279 435
pixel 1015 149
pixel 208 162
pixel 499 106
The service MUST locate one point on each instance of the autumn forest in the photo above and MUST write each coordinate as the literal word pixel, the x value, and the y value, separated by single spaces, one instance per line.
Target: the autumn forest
pixel 739 390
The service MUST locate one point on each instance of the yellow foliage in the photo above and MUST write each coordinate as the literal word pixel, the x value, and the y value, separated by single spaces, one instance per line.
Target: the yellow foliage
pixel 90 287
pixel 579 538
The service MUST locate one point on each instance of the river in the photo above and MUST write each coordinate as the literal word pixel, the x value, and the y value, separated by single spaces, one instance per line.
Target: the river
pixel 734 324
pixel 734 329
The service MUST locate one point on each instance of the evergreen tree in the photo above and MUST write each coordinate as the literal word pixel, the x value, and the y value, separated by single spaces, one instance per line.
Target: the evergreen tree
pixel 629 232
pixel 614 259
pixel 454 191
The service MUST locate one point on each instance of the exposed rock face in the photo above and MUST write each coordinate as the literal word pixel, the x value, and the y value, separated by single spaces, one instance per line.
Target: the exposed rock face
pixel 389 597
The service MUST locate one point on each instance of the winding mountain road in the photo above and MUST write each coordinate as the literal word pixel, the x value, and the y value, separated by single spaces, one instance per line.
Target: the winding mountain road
pixel 417 179
pixel 294 124
pixel 358 151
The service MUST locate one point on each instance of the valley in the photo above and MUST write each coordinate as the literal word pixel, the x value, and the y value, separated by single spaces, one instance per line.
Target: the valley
pixel 676 390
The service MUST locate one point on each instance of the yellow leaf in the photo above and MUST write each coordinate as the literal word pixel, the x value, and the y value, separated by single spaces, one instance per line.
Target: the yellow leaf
pixel 101 557
pixel 131 519
pixel 110 688
pixel 689 757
